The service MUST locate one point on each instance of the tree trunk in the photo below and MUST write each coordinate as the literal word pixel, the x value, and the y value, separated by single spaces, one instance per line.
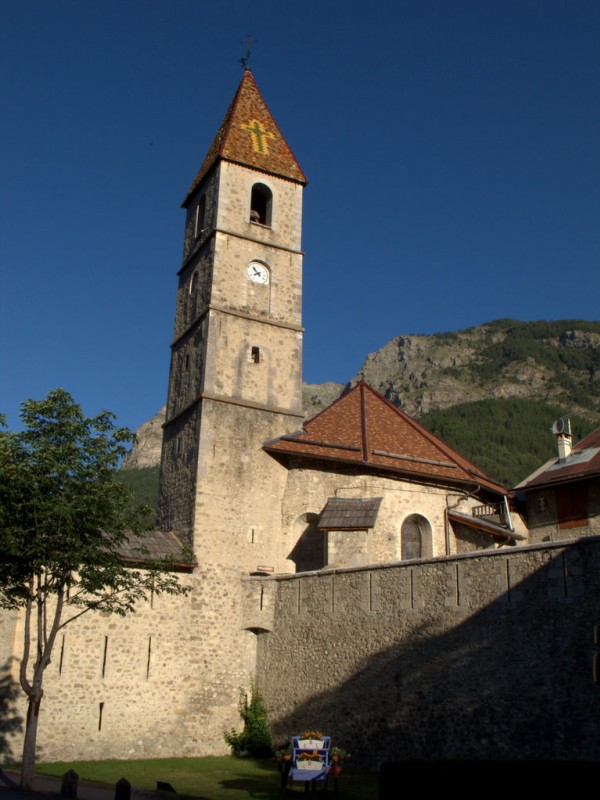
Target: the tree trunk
pixel 33 689
pixel 31 726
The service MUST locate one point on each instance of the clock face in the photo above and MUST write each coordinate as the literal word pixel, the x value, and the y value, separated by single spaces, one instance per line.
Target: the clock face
pixel 258 273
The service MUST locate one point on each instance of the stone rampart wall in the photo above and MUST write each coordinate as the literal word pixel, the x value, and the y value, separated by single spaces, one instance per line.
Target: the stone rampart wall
pixel 487 655
pixel 158 683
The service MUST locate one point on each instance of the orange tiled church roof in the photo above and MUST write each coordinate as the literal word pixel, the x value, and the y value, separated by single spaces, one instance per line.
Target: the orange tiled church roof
pixel 250 136
pixel 364 428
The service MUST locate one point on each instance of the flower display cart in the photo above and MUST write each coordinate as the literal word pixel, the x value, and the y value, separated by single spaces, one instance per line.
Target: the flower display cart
pixel 310 760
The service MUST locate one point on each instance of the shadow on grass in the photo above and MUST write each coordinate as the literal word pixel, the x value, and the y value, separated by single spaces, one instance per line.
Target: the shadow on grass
pixel 250 787
pixel 266 764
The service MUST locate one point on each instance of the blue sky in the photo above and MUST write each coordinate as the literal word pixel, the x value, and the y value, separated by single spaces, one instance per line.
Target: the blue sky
pixel 451 146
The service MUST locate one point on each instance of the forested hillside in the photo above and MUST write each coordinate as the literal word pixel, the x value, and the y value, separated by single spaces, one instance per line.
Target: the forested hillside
pixel 507 438
pixel 144 483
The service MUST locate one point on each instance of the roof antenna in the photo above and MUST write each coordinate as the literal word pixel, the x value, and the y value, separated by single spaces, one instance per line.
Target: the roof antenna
pixel 245 62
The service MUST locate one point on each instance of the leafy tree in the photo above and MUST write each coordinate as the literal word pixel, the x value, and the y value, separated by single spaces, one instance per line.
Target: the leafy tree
pixel 64 517
pixel 255 738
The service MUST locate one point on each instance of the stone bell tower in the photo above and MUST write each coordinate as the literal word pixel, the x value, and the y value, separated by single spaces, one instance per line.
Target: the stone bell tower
pixel 236 363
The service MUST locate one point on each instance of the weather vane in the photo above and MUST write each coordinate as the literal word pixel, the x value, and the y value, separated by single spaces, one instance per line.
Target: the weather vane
pixel 245 62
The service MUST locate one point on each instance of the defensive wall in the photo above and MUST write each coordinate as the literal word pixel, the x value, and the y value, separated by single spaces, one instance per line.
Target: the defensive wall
pixel 483 655
pixel 158 683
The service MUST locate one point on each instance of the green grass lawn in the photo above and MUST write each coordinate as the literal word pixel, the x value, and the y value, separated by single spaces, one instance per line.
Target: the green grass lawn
pixel 220 778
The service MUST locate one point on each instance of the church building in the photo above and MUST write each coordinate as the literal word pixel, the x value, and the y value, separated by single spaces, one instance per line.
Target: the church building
pixel 243 480
pixel 257 492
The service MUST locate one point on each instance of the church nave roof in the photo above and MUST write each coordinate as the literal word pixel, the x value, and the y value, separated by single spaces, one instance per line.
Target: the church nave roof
pixel 362 427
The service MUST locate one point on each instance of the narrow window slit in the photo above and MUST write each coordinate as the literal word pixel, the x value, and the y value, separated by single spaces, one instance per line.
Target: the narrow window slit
pixel 200 217
pixel 104 656
pixel 565 571
pixel 149 656
pixel 62 655
pixel 457 586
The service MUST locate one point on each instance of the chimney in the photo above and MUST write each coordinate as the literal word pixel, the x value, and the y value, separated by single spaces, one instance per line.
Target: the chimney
pixel 565 447
pixel 562 430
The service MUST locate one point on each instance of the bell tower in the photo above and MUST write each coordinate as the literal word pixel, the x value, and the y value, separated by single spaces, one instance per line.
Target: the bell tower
pixel 236 357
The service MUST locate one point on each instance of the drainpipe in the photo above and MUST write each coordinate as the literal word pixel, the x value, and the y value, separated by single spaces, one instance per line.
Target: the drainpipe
pixel 507 512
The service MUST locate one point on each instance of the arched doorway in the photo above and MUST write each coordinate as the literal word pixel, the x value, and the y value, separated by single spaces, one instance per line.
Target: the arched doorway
pixel 310 548
pixel 415 538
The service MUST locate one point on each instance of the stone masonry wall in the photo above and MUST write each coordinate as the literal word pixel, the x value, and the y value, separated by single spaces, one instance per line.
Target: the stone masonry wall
pixel 161 682
pixel 310 486
pixel 11 721
pixel 488 655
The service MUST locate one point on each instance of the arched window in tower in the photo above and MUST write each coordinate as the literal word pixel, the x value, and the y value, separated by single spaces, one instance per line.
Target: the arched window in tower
pixel 261 204
pixel 415 538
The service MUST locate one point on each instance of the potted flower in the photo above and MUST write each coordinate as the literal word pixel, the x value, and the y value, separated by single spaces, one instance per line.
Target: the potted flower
pixel 338 754
pixel 284 753
pixel 311 740
pixel 310 761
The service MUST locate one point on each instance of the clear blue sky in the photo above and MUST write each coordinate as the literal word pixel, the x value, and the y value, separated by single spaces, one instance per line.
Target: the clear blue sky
pixel 452 149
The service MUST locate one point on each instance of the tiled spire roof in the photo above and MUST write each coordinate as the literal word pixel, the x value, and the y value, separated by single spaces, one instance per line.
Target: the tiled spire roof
pixel 364 428
pixel 250 136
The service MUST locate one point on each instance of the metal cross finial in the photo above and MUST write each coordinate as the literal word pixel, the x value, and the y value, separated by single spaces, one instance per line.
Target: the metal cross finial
pixel 245 62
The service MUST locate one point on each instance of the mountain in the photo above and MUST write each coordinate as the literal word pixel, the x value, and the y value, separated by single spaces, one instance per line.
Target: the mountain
pixel 146 450
pixel 490 391
pixel 556 362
